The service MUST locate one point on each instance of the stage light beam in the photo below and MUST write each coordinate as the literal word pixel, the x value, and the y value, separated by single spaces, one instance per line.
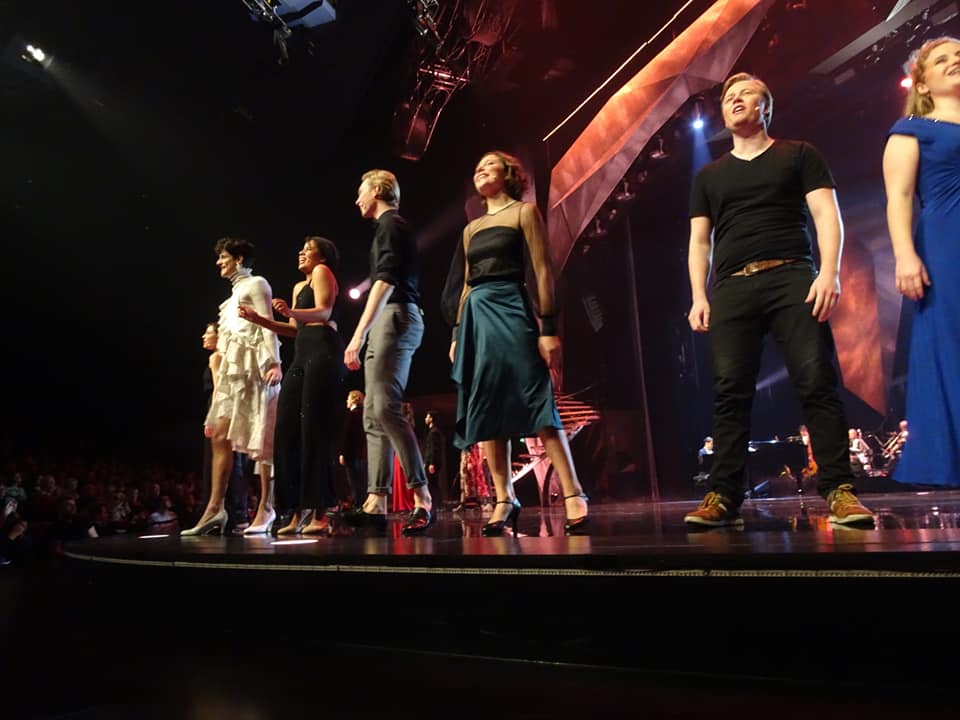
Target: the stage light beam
pixel 358 290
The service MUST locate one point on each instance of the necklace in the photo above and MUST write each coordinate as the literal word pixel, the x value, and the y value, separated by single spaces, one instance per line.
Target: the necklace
pixel 512 202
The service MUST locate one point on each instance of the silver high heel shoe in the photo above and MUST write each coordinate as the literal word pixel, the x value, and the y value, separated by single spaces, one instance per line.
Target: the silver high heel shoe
pixel 218 521
pixel 263 528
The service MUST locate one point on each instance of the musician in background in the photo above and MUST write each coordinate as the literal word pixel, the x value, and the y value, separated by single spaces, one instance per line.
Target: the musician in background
pixel 902 434
pixel 812 468
pixel 860 453
pixel 704 462
pixel 705 454
pixel 893 446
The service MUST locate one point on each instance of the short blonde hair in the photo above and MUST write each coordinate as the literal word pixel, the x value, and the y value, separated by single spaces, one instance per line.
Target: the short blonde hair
pixel 921 103
pixel 384 184
pixel 767 95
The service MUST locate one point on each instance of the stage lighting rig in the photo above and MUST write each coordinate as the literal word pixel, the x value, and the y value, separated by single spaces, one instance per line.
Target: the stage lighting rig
pixel 284 16
pixel 425 19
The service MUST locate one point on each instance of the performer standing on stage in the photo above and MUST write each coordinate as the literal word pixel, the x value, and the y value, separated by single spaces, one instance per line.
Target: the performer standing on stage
pixel 353 449
pixel 922 158
pixel 392 327
pixel 236 498
pixel 502 359
pixel 435 455
pixel 747 212
pixel 311 396
pixel 244 405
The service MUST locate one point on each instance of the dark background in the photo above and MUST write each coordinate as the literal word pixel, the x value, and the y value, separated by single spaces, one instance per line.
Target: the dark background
pixel 160 127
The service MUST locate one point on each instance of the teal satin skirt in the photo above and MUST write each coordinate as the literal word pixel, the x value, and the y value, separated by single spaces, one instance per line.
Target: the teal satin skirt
pixel 503 385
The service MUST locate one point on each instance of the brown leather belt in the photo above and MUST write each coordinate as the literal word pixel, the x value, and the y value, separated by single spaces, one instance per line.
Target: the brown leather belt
pixel 758 266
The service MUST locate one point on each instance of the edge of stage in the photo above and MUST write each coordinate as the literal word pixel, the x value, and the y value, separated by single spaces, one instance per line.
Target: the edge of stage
pixel 782 537
pixel 788 598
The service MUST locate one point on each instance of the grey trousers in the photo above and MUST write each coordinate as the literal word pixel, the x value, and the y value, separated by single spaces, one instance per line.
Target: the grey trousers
pixel 392 341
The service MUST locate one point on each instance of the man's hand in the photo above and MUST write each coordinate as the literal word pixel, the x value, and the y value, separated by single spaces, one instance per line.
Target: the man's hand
pixel 351 356
pixel 824 294
pixel 453 351
pixel 699 316
pixel 912 277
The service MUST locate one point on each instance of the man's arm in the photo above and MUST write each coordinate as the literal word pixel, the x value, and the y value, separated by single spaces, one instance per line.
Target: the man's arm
pixel 380 293
pixel 698 264
pixel 825 290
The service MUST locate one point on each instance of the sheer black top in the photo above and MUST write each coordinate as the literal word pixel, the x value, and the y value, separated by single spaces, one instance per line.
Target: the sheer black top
pixel 496 253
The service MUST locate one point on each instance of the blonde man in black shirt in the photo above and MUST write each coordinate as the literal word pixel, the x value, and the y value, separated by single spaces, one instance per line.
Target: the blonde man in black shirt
pixel 748 214
pixel 391 327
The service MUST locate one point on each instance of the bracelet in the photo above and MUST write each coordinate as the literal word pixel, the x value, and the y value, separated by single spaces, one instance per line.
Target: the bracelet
pixel 548 326
pixel 453 335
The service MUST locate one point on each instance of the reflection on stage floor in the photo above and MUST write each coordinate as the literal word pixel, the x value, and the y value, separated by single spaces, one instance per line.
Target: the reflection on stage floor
pixel 914 531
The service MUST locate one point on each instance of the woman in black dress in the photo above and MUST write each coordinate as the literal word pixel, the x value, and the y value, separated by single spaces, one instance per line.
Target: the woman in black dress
pixel 502 358
pixel 312 394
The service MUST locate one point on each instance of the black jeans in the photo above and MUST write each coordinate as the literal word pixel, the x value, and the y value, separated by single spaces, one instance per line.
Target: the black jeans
pixel 743 311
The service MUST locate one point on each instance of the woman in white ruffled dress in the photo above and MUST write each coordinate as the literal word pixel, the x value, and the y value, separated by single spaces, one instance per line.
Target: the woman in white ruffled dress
pixel 243 410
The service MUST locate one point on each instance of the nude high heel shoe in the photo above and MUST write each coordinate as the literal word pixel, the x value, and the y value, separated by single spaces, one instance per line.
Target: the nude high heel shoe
pixel 218 521
pixel 264 528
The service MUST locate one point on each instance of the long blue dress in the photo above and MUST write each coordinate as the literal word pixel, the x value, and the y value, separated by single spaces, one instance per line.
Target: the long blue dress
pixel 931 455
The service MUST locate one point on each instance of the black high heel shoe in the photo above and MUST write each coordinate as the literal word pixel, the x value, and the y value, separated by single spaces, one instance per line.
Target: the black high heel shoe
pixel 495 529
pixel 575 525
pixel 418 522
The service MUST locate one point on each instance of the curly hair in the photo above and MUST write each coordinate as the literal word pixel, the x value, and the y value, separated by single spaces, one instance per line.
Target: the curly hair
pixel 515 180
pixel 326 248
pixel 236 248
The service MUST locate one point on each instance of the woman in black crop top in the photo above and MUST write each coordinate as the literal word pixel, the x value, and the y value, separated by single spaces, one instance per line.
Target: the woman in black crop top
pixel 502 360
pixel 312 394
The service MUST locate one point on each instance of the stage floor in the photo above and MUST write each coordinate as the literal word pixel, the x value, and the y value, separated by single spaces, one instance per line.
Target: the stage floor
pixel 915 532
pixel 788 618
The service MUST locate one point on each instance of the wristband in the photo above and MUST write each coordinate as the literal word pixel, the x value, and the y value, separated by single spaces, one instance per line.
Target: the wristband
pixel 548 325
pixel 456 331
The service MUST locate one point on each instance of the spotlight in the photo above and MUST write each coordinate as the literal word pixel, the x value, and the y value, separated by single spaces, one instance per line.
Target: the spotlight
pixel 38 54
pixel 697 123
pixel 624 194
pixel 34 54
pixel 906 83
pixel 354 293
pixel 658 153
pixel 597 231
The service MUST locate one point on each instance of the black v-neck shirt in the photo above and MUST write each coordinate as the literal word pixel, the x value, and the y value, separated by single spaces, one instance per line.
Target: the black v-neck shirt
pixel 757 207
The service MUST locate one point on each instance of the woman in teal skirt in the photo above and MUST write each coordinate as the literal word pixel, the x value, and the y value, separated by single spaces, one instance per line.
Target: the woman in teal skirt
pixel 503 359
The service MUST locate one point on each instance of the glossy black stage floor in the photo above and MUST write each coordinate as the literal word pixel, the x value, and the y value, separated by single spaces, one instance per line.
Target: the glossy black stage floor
pixel 916 533
pixel 787 618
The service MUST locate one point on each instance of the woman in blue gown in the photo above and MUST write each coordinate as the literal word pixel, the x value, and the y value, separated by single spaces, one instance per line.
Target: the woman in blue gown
pixel 922 157
pixel 502 357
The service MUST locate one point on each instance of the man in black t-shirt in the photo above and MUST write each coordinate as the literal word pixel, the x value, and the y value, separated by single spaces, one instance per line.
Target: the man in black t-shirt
pixel 748 212
pixel 391 326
